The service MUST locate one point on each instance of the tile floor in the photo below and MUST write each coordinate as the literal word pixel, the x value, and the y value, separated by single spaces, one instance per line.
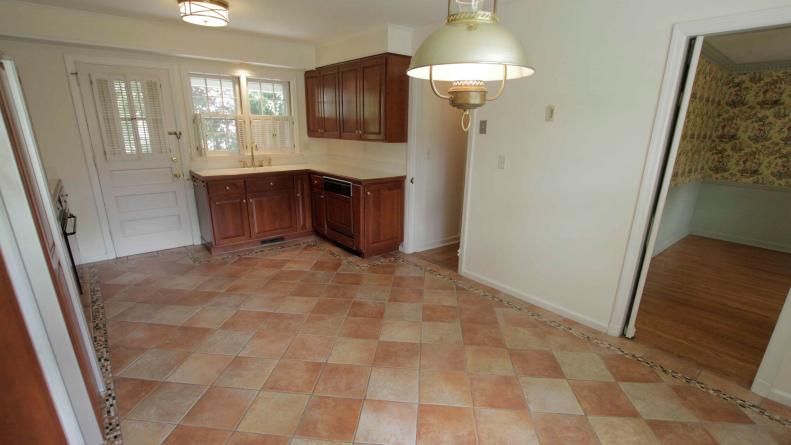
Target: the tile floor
pixel 296 346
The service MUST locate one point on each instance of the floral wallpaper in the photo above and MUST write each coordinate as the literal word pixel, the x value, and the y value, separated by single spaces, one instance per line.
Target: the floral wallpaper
pixel 738 128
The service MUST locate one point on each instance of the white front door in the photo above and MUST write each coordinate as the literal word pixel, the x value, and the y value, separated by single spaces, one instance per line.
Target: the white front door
pixel 132 123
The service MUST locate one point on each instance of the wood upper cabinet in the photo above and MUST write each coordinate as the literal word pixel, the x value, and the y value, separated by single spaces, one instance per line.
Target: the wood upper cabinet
pixel 370 99
pixel 229 218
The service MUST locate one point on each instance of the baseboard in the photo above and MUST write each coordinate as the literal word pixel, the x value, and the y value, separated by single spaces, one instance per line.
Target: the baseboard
pixel 438 243
pixel 778 396
pixel 761 387
pixel 87 259
pixel 741 240
pixel 532 299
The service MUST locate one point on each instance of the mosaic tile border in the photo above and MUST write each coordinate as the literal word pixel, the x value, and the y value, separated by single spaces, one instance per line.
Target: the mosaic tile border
pixel 112 425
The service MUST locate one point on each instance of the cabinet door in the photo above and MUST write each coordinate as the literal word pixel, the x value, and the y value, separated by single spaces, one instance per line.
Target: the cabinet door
pixel 330 126
pixel 339 213
pixel 313 99
pixel 229 219
pixel 349 101
pixel 317 212
pixel 372 99
pixel 383 217
pixel 302 186
pixel 272 213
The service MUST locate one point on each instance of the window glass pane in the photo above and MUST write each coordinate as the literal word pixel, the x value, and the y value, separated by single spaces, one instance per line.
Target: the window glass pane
pixel 268 98
pixel 216 98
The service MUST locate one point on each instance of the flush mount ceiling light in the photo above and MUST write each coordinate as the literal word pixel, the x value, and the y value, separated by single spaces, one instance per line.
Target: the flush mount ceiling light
pixel 204 12
pixel 471 49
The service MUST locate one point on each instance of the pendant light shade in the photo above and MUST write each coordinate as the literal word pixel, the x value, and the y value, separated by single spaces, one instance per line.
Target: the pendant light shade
pixel 472 48
pixel 204 12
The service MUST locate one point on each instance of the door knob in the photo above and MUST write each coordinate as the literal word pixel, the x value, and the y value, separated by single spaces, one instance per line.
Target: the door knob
pixel 174 159
pixel 176 175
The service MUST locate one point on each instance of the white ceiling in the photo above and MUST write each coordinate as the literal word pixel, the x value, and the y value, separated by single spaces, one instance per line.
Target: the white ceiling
pixel 307 20
pixel 770 45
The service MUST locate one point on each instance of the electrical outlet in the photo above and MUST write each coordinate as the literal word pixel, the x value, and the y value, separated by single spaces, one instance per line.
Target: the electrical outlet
pixel 482 129
pixel 501 162
pixel 549 114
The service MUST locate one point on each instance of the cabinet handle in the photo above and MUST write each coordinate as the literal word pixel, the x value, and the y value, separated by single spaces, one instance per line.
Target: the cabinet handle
pixel 271 184
pixel 227 187
pixel 321 196
pixel 299 195
pixel 368 193
pixel 244 201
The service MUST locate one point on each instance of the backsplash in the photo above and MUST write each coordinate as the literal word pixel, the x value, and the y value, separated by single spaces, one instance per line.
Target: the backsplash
pixel 738 128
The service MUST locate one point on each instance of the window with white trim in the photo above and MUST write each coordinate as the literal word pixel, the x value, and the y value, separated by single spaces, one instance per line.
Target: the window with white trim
pixel 225 122
pixel 217 118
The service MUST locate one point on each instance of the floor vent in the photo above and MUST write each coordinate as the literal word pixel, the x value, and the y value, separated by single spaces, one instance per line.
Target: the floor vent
pixel 276 239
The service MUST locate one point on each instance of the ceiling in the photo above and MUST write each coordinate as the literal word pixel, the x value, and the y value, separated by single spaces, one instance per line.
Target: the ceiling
pixel 311 21
pixel 771 45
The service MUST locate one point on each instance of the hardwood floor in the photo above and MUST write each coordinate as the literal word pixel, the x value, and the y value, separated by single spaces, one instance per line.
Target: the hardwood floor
pixel 445 256
pixel 714 302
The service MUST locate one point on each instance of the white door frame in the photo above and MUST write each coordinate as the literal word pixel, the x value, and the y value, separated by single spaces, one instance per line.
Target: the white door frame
pixel 410 198
pixel 70 61
pixel 663 123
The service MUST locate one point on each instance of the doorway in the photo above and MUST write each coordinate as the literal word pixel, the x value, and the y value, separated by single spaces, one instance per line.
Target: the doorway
pixel 132 119
pixel 717 266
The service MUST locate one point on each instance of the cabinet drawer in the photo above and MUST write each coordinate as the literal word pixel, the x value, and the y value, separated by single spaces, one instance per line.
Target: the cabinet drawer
pixel 317 181
pixel 223 187
pixel 268 183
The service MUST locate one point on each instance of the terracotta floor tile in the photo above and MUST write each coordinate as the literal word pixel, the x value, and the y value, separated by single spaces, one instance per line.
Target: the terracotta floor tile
pixel 583 366
pixel 550 396
pixel 290 323
pixel 397 354
pixel 347 278
pixel 488 360
pixel 344 291
pixel 353 351
pixel 445 425
pixel 434 312
pixel 400 331
pixel 324 265
pixel 622 430
pixel 485 315
pixel 129 392
pixel 200 369
pixel 122 356
pixel 321 325
pixel 311 290
pixel 730 434
pixel 310 348
pixel 367 309
pixel 404 295
pixel 267 343
pixel 246 373
pixel 195 298
pixel 438 332
pixel 297 305
pixel 373 293
pixel 383 279
pixel 536 363
pixel 482 335
pixel 681 433
pixel 708 407
pixel 330 418
pixel 227 300
pixel 387 423
pixel 238 438
pixel 393 384
pixel 496 391
pixel 516 337
pixel 563 429
pixel 445 388
pixel 438 356
pixel 433 282
pixel 155 364
pixel 504 427
pixel 267 303
pixel 624 369
pixel 408 282
pixel 186 338
pixel 225 342
pixel 332 306
pixel 602 399
pixel 440 297
pixel 245 321
pixel 220 408
pixel 349 381
pixel 210 317
pixel 293 376
pixel 361 328
pixel 139 335
pixel 402 311
pixel 167 403
pixel 657 401
pixel 137 432
pixel 287 275
pixel 274 413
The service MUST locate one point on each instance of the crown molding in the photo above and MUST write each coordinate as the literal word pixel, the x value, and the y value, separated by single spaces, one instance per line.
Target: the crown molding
pixel 732 67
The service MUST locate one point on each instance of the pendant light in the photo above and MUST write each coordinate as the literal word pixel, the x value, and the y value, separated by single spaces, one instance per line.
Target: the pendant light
pixel 204 12
pixel 471 49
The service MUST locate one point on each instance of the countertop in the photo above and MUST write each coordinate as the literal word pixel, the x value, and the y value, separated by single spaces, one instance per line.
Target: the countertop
pixel 340 170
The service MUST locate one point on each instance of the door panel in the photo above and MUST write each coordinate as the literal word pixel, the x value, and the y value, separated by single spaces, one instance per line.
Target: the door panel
pixel 372 86
pixel 272 213
pixel 329 103
pixel 129 112
pixel 317 211
pixel 229 219
pixel 303 202
pixel 313 100
pixel 349 82
pixel 339 213
pixel 384 217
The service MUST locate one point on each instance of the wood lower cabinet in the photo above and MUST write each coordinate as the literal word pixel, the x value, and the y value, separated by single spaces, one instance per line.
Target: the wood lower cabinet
pixel 245 210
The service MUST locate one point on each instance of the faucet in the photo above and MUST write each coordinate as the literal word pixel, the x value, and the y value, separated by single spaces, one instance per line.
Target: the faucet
pixel 266 162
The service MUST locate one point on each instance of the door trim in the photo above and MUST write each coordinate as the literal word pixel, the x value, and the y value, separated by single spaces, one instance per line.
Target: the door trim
pixel 661 134
pixel 80 111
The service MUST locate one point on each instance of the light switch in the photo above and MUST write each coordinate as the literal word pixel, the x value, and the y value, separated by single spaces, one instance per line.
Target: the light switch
pixel 549 114
pixel 501 162
pixel 482 128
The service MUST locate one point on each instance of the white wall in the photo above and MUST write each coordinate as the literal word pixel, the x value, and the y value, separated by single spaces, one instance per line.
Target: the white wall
pixel 377 39
pixel 553 226
pixel 45 82
pixel 677 216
